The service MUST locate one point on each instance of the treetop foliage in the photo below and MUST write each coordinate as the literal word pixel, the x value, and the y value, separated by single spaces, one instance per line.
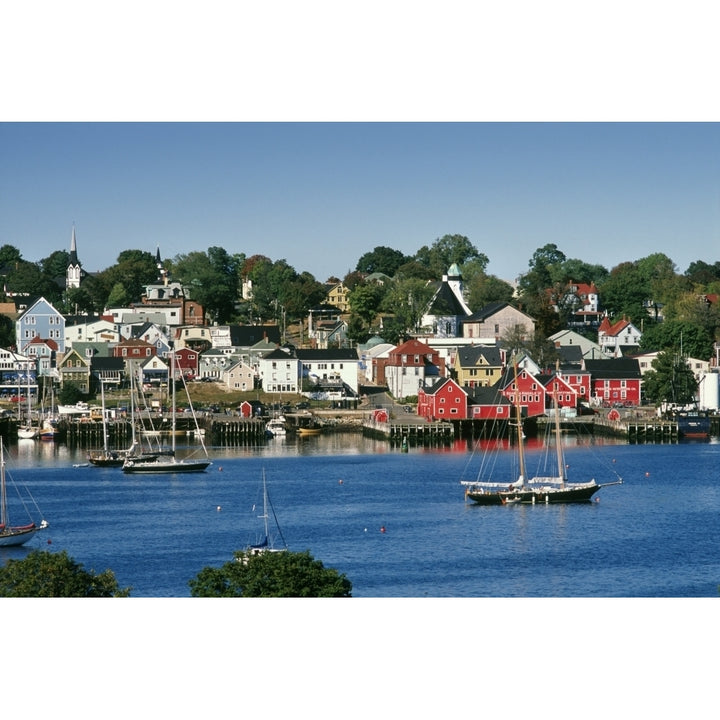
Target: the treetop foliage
pixel 46 574
pixel 270 574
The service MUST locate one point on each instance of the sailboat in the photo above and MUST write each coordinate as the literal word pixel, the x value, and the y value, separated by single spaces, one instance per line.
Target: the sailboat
pixel 167 462
pixel 28 431
pixel 540 489
pixel 13 534
pixel 105 457
pixel 267 545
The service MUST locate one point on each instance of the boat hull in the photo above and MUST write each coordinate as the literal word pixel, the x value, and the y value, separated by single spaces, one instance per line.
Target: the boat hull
pixel 549 496
pixel 165 468
pixel 17 535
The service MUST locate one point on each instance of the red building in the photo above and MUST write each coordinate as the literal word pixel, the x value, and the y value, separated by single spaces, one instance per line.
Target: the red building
pixel 489 403
pixel 528 389
pixel 557 385
pixel 187 360
pixel 615 381
pixel 445 400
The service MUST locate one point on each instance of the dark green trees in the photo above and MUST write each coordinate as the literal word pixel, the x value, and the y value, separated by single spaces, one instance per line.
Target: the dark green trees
pixel 46 574
pixel 271 574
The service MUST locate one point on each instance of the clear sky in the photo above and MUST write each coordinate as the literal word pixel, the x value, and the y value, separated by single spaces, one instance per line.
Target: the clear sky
pixel 321 194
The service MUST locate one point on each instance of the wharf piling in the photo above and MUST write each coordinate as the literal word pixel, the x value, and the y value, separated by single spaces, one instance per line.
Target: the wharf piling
pixel 414 433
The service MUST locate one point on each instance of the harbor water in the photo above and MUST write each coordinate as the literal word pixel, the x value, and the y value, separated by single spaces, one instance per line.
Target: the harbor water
pixel 396 524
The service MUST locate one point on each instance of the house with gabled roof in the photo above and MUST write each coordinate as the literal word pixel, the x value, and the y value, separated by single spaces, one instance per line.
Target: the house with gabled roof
pixel 74 368
pixel 478 365
pixel 41 320
pixel 239 376
pixel 155 370
pixel 280 372
pixel 556 386
pixel 527 390
pixel 408 367
pixel 569 338
pixel 494 321
pixel 43 353
pixel 443 400
pixel 187 361
pixel 214 362
pixel 153 334
pixel 338 296
pixel 618 339
pixel 446 311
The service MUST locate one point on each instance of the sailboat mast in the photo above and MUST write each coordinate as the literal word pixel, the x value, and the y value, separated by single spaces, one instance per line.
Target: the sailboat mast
pixel 265 512
pixel 104 419
pixel 558 443
pixel 172 380
pixel 3 494
pixel 518 423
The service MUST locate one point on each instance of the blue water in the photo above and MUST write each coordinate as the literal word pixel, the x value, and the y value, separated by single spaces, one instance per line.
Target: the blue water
pixel 656 535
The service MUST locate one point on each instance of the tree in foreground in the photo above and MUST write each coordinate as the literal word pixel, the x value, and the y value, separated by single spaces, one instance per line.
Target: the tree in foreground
pixel 46 574
pixel 270 574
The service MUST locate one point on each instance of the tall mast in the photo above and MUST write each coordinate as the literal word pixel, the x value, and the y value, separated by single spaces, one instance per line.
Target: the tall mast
pixel 558 444
pixel 3 494
pixel 518 423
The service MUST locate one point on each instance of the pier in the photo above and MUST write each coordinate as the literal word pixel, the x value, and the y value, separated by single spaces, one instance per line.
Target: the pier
pixel 416 433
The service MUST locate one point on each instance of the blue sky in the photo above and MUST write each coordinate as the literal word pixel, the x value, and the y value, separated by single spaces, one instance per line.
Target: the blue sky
pixel 321 194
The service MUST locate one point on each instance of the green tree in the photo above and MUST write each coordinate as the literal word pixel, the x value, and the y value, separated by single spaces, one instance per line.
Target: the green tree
pixel 486 289
pixel 46 574
pixel 54 266
pixel 7 331
pixel 545 267
pixel 69 394
pixel 365 301
pixel 135 269
pixel 690 338
pixel 272 574
pixel 625 291
pixel 449 250
pixel 382 259
pixel 118 296
pixel 213 278
pixel 670 380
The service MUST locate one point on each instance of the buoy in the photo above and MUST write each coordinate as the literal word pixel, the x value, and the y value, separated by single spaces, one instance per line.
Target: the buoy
pixel 382 529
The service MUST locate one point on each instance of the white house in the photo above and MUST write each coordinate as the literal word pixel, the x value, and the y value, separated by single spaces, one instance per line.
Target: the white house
pixel 280 372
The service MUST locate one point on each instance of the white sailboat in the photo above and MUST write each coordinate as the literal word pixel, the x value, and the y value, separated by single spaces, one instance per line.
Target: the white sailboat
pixel 267 543
pixel 164 462
pixel 13 534
pixel 26 430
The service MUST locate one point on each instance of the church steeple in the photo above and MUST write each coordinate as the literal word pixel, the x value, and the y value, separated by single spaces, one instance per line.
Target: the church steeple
pixel 74 270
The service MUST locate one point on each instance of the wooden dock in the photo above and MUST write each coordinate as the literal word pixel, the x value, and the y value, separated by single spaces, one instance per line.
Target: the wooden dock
pixel 416 433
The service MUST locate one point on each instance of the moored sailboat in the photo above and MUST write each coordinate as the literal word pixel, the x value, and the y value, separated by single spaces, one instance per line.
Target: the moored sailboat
pixel 165 462
pixel 267 544
pixel 13 534
pixel 553 488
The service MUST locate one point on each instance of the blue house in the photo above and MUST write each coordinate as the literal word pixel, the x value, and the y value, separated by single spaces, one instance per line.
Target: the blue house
pixel 40 320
